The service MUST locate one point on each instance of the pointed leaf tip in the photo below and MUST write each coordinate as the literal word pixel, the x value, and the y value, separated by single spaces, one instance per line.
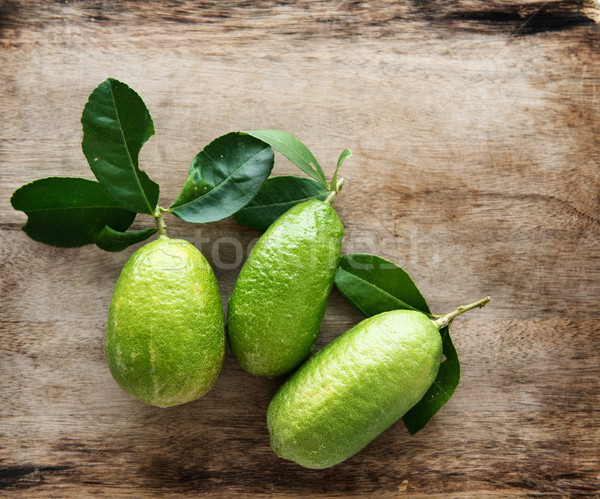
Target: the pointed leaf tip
pixel 113 240
pixel 294 150
pixel 343 157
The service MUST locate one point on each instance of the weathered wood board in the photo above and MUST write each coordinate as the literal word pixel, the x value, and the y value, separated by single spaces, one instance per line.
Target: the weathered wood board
pixel 475 128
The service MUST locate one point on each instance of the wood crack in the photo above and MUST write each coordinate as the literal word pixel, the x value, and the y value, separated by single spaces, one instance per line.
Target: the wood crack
pixel 26 475
pixel 525 20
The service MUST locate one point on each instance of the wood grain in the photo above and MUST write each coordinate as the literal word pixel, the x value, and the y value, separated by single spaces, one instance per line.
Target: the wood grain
pixel 475 128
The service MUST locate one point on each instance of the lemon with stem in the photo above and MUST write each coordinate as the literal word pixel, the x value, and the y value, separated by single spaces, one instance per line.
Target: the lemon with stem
pixel 165 339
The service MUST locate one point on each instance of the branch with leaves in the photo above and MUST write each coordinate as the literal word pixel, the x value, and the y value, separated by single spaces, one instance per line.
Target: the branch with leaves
pixel 229 177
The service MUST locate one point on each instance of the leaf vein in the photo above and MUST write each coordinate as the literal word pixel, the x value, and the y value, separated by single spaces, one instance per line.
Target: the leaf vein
pixel 223 183
pixel 137 178
pixel 61 208
pixel 283 203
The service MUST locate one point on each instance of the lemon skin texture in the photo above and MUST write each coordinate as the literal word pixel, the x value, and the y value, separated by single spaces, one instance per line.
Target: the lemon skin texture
pixel 279 299
pixel 165 339
pixel 354 388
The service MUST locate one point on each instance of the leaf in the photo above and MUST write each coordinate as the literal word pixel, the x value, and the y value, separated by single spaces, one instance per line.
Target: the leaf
pixel 440 392
pixel 223 178
pixel 343 157
pixel 110 239
pixel 375 285
pixel 276 196
pixel 116 123
pixel 67 212
pixel 294 150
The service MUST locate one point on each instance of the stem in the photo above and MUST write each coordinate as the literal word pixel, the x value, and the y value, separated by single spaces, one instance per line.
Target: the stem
pixel 333 193
pixel 160 222
pixel 446 319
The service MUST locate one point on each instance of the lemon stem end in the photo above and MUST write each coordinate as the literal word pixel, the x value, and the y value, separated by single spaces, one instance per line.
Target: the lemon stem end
pixel 334 190
pixel 448 318
pixel 160 222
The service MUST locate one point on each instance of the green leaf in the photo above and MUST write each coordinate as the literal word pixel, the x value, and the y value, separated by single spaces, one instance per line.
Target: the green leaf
pixel 223 178
pixel 116 124
pixel 276 196
pixel 343 157
pixel 294 150
pixel 375 285
pixel 110 239
pixel 67 212
pixel 440 392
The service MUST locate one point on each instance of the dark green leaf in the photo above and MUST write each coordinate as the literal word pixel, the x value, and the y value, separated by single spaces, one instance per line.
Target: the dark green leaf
pixel 440 392
pixel 294 150
pixel 375 285
pixel 67 212
pixel 110 239
pixel 343 157
pixel 276 196
pixel 223 178
pixel 116 123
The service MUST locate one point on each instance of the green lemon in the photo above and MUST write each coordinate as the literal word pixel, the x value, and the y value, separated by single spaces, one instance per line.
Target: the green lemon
pixel 165 340
pixel 354 388
pixel 279 299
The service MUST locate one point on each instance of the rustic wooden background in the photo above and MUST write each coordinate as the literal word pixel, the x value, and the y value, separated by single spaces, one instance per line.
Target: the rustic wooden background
pixel 475 128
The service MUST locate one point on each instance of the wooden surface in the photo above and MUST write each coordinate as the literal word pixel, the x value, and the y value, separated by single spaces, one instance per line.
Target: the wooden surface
pixel 475 128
